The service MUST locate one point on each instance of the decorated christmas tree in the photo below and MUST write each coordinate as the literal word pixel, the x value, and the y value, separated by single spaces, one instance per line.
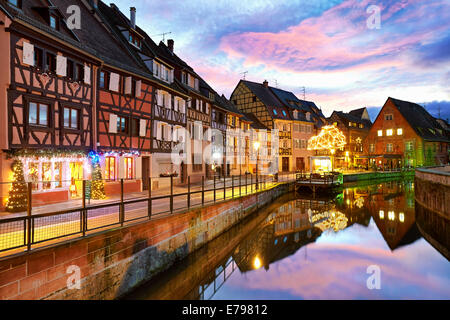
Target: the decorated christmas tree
pixel 97 186
pixel 17 200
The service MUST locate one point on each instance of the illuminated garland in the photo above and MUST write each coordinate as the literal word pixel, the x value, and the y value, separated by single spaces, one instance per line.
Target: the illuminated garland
pixel 17 200
pixel 329 138
pixel 45 153
pixel 98 186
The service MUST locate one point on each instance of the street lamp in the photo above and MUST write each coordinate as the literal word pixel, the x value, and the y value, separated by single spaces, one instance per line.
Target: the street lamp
pixel 256 145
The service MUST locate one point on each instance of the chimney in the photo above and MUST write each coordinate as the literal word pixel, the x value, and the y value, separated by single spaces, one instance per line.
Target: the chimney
pixel 266 84
pixel 133 17
pixel 170 44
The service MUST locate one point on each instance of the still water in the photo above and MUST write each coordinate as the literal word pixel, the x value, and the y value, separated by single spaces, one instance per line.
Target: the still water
pixel 305 248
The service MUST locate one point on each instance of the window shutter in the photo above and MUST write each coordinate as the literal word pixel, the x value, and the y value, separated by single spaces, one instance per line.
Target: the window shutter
pixel 87 74
pixel 121 167
pixel 158 130
pixel 190 103
pixel 138 88
pixel 61 66
pixel 28 54
pixel 112 123
pixel 128 81
pixel 169 101
pixel 196 84
pixel 142 127
pixel 155 66
pixel 171 76
pixel 207 108
pixel 138 172
pixel 175 133
pixel 114 82
pixel 160 98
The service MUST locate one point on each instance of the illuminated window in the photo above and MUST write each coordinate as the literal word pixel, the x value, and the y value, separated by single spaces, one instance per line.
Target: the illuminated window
pixel 389 147
pixel 391 215
pixel 409 146
pixel 389 132
pixel 381 213
pixel 401 217
pixel 380 133
pixel 275 112
pixel 58 174
pixel 388 117
pixel 128 168
pixel 110 168
pixel 46 175
pixel 371 147
pixel 399 131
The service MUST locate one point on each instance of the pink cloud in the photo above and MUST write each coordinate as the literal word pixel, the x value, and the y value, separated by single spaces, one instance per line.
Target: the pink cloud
pixel 334 271
pixel 338 39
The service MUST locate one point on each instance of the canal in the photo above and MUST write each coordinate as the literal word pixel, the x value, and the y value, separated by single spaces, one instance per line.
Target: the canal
pixel 302 247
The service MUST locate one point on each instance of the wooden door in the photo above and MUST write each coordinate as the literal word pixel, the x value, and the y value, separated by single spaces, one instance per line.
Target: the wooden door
pixel 285 164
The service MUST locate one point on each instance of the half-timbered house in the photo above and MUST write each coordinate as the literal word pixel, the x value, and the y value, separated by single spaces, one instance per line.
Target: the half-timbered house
pixel 162 99
pixel 198 113
pixel 50 95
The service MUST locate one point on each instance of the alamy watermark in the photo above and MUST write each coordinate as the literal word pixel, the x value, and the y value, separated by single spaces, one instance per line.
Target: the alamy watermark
pixel 74 280
pixel 374 20
pixel 74 20
pixel 374 280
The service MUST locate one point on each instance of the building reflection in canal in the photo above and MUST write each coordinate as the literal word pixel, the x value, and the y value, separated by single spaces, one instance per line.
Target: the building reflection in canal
pixel 343 230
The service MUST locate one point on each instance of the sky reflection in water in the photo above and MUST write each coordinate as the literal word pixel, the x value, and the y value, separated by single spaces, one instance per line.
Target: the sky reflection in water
pixel 334 266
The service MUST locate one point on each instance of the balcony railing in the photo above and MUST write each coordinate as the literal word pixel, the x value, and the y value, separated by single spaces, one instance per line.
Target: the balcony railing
pixel 164 113
pixel 285 152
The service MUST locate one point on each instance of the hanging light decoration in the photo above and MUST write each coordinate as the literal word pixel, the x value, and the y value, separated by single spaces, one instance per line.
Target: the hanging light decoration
pixel 329 138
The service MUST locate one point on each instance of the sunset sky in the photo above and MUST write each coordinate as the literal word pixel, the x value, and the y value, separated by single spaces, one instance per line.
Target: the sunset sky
pixel 324 45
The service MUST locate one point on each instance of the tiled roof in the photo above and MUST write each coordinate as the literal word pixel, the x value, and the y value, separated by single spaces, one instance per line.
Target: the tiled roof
pixel 275 107
pixel 255 123
pixel 420 120
pixel 348 117
pixel 115 19
pixel 357 112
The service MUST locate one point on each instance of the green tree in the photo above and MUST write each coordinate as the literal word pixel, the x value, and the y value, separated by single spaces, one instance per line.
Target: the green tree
pixel 17 200
pixel 98 186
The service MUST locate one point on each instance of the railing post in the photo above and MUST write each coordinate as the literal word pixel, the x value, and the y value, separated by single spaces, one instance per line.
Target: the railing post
pixel 149 197
pixel 240 185
pixel 83 211
pixel 203 190
pixel 189 193
pixel 214 188
pixel 121 207
pixel 171 194
pixel 224 188
pixel 29 208
pixel 232 186
pixel 246 183
pixel 251 183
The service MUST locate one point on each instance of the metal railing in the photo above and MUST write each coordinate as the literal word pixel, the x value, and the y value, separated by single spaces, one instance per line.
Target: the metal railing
pixel 30 230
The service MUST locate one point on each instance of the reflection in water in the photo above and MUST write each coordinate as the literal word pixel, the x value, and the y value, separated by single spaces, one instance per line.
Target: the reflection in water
pixel 314 249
